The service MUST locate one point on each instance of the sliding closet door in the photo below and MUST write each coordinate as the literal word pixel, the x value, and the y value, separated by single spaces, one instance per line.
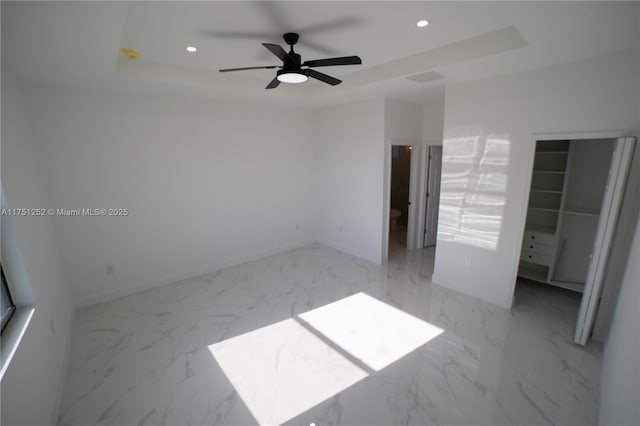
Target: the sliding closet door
pixel 618 172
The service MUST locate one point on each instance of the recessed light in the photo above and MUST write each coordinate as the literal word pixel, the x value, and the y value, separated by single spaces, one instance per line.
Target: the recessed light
pixel 191 49
pixel 422 23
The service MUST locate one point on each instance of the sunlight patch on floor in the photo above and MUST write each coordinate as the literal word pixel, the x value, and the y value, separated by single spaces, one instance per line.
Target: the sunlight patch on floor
pixel 284 369
pixel 372 331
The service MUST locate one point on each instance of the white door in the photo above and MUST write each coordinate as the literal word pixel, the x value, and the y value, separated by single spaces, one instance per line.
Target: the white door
pixel 618 172
pixel 433 196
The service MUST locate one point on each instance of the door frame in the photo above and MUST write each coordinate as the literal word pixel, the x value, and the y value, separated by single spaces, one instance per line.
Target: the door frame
pixel 424 186
pixel 416 154
pixel 608 134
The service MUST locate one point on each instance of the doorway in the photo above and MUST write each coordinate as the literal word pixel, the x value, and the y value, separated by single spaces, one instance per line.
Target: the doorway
pixel 574 199
pixel 399 196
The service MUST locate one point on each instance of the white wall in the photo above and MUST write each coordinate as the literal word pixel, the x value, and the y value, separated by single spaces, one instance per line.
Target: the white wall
pixel 620 390
pixel 488 152
pixel 349 178
pixel 208 184
pixel 433 118
pixel 31 387
pixel 402 120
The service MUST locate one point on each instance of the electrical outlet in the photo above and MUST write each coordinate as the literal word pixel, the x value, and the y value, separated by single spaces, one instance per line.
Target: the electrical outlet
pixel 110 269
pixel 340 228
pixel 467 263
pixel 297 226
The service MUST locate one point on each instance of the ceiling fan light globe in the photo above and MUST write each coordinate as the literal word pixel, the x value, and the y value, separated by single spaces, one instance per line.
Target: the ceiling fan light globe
pixel 292 77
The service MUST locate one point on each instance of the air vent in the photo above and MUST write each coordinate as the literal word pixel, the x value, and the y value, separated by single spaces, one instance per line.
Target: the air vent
pixel 426 77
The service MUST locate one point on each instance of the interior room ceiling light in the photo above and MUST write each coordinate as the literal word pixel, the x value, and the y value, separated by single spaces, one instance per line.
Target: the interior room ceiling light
pixel 291 77
pixel 293 70
pixel 191 49
pixel 422 23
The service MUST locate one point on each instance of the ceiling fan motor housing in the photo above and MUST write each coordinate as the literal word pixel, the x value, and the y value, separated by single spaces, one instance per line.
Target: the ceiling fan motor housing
pixel 291 38
pixel 296 59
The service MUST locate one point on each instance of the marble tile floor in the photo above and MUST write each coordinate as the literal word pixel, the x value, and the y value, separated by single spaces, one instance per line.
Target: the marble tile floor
pixel 316 336
pixel 398 238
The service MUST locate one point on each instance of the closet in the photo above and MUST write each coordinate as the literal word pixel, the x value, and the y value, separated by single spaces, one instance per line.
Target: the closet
pixel 567 188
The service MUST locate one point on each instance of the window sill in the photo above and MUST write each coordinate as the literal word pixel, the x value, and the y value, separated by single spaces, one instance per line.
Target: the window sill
pixel 13 333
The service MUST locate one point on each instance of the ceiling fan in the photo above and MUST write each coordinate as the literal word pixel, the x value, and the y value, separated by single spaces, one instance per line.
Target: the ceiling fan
pixel 292 71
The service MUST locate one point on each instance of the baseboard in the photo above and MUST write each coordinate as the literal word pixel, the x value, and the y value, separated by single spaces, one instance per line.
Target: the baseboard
pixel 350 250
pixel 106 296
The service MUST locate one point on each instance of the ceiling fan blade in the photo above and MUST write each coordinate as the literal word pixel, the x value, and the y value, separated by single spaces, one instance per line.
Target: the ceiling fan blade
pixel 274 13
pixel 347 21
pixel 277 50
pixel 268 67
pixel 343 60
pixel 273 83
pixel 317 47
pixel 322 77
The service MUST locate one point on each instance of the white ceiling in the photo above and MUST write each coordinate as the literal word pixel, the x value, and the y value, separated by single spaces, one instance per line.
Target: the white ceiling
pixel 76 44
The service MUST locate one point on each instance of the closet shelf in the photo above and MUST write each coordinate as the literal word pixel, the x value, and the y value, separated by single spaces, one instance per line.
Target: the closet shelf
pixel 544 208
pixel 539 228
pixel 550 191
pixel 579 287
pixel 552 152
pixel 579 211
pixel 552 172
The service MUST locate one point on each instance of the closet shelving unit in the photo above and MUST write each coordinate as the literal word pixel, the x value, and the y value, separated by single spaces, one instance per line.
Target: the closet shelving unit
pixel 542 244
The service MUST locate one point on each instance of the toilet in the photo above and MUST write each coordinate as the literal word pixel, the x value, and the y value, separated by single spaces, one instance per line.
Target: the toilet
pixel 394 215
